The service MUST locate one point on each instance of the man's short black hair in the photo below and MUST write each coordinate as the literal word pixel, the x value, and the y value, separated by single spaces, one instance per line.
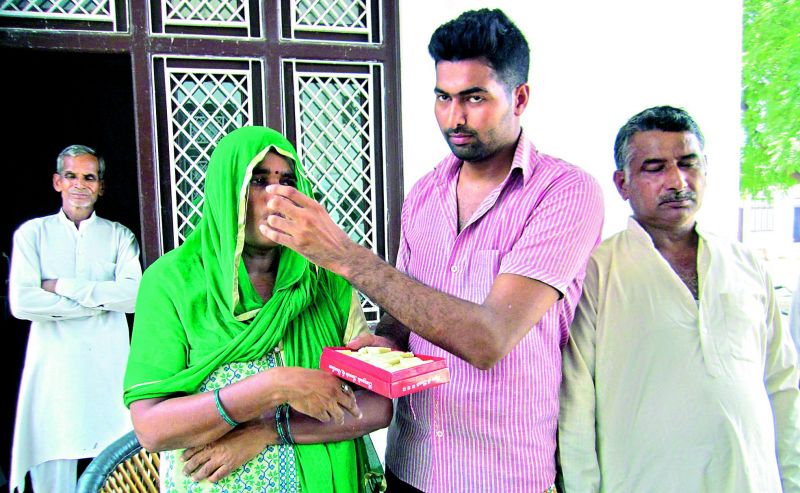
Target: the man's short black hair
pixel 487 34
pixel 663 118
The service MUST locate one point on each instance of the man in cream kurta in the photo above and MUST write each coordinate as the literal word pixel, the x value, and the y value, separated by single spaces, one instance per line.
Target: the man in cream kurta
pixel 678 375
pixel 74 276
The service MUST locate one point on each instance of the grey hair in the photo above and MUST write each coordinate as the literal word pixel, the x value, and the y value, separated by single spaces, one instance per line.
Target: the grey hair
pixel 79 150
pixel 663 118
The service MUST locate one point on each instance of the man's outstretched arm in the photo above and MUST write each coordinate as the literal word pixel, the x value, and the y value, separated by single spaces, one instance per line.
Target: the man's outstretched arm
pixel 481 334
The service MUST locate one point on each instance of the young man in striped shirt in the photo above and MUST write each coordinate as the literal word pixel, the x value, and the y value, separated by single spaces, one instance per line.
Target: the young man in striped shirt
pixel 492 257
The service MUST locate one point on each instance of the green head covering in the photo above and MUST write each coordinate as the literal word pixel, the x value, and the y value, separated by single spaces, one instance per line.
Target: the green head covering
pixel 196 309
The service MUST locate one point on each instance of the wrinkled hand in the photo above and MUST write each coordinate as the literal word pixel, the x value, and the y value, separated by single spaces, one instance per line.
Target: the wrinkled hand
pixel 302 224
pixel 372 340
pixel 219 458
pixel 320 395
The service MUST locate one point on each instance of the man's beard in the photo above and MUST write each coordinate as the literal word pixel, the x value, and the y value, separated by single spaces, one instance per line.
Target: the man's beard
pixel 474 152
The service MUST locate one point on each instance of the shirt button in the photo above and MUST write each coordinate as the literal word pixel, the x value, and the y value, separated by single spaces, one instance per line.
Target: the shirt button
pixel 439 434
pixel 454 269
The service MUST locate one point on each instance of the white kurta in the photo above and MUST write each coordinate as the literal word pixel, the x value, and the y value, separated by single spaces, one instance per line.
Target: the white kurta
pixel 70 397
pixel 663 393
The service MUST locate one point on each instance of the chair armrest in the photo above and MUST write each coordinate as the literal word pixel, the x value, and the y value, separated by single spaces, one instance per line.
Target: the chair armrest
pixel 101 466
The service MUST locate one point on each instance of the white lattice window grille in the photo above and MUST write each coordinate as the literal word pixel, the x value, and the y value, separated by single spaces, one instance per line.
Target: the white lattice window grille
pixel 203 106
pixel 336 140
pixel 206 13
pixel 309 18
pixel 69 10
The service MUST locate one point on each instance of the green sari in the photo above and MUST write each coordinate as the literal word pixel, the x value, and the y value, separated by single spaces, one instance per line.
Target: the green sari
pixel 197 310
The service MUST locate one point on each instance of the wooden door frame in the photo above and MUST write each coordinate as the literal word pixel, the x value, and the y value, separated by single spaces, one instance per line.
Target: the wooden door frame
pixel 142 46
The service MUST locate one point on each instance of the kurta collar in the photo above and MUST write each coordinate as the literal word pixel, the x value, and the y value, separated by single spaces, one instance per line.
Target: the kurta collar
pixel 638 232
pixel 62 216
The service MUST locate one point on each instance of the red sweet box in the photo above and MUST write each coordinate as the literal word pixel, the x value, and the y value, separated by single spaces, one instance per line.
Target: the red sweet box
pixel 386 383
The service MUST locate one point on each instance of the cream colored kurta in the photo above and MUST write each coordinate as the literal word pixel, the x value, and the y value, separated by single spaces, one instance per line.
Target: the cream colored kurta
pixel 70 397
pixel 663 393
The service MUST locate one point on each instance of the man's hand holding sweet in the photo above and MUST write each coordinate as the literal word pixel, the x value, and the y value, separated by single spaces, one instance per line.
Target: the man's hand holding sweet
pixel 302 224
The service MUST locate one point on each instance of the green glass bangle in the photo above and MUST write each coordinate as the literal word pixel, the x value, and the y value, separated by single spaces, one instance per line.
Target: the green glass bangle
pixel 221 410
pixel 278 424
pixel 281 419
pixel 289 436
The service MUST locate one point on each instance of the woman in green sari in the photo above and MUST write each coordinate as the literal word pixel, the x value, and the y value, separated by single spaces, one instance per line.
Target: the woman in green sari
pixel 223 371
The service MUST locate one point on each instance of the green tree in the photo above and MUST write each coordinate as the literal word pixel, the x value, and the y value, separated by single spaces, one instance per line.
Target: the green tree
pixel 770 97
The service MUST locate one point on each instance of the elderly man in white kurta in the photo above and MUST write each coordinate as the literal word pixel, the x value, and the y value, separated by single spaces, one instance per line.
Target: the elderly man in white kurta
pixel 74 276
pixel 678 375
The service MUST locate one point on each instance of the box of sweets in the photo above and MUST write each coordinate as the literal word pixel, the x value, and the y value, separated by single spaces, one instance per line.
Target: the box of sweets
pixel 386 372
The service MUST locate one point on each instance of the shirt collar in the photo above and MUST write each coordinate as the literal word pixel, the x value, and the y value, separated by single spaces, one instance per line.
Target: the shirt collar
pixel 526 157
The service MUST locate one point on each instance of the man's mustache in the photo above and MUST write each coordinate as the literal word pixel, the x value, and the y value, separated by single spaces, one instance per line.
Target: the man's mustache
pixel 677 196
pixel 460 131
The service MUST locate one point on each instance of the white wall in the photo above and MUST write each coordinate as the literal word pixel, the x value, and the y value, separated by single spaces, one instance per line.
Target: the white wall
pixel 776 247
pixel 594 65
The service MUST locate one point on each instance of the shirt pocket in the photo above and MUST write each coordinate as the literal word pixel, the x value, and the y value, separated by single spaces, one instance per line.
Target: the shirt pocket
pixel 744 324
pixel 483 269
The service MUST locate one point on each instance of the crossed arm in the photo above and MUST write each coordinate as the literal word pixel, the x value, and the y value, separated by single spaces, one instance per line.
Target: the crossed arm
pixel 29 296
pixel 36 299
pixel 322 412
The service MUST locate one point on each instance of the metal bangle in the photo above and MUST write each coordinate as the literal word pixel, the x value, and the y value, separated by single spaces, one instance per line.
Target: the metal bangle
pixel 221 410
pixel 279 425
pixel 289 436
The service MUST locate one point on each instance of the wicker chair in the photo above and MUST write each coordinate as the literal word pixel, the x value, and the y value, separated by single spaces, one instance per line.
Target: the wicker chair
pixel 123 467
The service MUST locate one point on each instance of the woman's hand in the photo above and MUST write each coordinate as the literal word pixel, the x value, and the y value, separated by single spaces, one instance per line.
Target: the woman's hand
pixel 219 458
pixel 320 395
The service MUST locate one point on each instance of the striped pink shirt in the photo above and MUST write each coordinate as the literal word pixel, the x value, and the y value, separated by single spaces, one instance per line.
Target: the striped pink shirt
pixel 494 430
